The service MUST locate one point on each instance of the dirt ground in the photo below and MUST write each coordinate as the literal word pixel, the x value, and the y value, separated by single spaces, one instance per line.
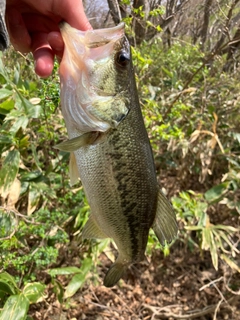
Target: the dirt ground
pixel 182 286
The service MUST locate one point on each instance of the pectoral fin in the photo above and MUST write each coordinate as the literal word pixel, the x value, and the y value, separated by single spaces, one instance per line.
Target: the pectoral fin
pixel 165 225
pixel 78 142
pixel 92 231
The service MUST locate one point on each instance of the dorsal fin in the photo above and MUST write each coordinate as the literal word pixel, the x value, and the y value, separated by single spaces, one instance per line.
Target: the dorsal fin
pixel 165 225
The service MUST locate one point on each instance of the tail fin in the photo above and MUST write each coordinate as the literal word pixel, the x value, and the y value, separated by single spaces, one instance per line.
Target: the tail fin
pixel 114 274
pixel 165 225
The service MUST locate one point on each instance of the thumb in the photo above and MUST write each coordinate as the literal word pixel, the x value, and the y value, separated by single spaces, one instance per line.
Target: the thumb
pixel 72 12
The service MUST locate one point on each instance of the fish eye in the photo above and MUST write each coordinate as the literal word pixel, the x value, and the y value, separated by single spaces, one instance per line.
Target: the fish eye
pixel 122 58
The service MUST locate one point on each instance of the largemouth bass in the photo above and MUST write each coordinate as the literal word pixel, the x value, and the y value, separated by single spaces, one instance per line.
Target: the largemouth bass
pixel 112 153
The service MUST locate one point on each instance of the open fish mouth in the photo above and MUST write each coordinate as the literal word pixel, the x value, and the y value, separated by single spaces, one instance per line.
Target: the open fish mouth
pixel 94 78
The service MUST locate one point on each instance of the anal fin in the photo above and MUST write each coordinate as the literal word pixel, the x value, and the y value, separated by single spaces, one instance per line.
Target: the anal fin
pixel 165 224
pixel 92 231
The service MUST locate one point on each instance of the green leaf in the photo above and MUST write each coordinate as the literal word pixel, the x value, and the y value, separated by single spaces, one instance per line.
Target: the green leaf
pixel 6 288
pixel 6 106
pixel 8 221
pixel 9 169
pixel 206 238
pixel 213 251
pixel 64 271
pixel 34 196
pixel 21 122
pixel 31 110
pixel 232 264
pixel 35 156
pixel 24 142
pixel 15 308
pixel 58 290
pixel 4 93
pixel 226 228
pixel 17 75
pixel 74 285
pixel 86 265
pixel 227 238
pixel 214 194
pixel 79 279
pixel 34 291
pixel 169 73
pixel 35 112
pixel 6 139
pixel 29 176
pixel 7 278
pixel 3 70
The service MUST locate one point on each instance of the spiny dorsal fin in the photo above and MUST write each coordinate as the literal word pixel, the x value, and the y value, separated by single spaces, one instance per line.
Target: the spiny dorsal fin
pixel 165 225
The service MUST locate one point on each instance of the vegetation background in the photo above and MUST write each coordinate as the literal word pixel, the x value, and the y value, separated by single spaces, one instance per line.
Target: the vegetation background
pixel 186 55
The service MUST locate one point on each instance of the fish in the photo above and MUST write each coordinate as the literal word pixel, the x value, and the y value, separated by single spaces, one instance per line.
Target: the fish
pixel 109 145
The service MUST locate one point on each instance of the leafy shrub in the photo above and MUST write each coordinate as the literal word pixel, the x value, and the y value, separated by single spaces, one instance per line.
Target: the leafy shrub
pixel 190 104
pixel 190 107
pixel 38 209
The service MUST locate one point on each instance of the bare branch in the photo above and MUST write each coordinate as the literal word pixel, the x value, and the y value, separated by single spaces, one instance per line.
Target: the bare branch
pixel 115 11
pixel 205 24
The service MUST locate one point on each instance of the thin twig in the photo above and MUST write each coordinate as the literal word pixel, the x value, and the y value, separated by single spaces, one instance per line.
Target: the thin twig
pixel 216 310
pixel 211 283
pixel 190 315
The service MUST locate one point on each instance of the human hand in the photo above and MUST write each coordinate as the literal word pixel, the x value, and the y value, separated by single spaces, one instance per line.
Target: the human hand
pixel 33 27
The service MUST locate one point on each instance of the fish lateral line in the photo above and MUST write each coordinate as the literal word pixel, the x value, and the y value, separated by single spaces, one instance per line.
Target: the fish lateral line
pixel 76 143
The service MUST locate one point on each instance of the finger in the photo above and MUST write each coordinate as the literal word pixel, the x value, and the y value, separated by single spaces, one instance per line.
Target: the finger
pixel 37 22
pixel 18 33
pixel 43 55
pixel 55 40
pixel 73 12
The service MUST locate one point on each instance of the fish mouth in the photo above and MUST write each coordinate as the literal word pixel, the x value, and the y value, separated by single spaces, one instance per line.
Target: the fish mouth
pixel 93 93
pixel 98 37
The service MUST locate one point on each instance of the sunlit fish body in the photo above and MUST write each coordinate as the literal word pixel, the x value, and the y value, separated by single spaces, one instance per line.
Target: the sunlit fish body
pixel 111 148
